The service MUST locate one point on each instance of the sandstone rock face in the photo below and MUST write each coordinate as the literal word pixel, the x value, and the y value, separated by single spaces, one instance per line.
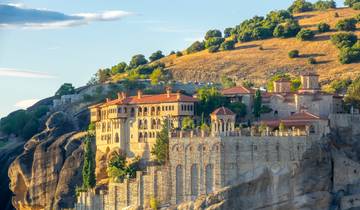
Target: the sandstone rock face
pixel 45 175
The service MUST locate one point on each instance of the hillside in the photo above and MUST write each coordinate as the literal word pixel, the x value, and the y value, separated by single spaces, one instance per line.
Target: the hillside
pixel 247 61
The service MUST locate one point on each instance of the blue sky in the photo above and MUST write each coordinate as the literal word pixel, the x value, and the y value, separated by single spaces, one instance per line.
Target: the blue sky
pixel 37 57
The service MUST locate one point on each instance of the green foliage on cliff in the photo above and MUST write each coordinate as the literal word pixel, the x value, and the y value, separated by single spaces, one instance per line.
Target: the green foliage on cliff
pixel 88 171
pixel 353 93
pixel 161 147
pixel 23 123
pixel 65 89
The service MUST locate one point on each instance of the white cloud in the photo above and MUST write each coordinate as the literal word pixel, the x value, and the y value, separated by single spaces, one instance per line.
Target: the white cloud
pixel 24 104
pixel 18 15
pixel 9 72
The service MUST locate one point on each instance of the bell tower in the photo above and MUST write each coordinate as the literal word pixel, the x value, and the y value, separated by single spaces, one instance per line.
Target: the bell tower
pixel 222 121
pixel 310 83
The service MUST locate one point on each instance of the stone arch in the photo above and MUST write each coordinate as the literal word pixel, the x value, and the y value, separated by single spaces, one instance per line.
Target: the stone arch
pixel 209 178
pixel 194 180
pixel 175 147
pixel 188 148
pixel 179 184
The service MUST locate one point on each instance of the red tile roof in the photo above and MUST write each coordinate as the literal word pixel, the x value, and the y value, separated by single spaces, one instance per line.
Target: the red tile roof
pixel 300 118
pixel 222 111
pixel 237 90
pixel 151 99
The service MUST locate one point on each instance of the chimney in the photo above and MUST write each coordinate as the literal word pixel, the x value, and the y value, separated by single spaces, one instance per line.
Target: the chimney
pixel 168 91
pixel 139 94
pixel 123 95
pixel 107 100
pixel 119 95
pixel 178 94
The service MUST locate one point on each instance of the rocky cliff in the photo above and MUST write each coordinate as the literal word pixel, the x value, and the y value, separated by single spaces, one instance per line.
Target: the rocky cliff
pixel 45 174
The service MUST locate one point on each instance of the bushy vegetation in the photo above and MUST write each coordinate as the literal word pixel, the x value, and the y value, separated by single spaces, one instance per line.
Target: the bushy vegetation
pixel 210 99
pixel 213 34
pixel 214 49
pixel 227 32
pixel 119 168
pixel 340 86
pixel 350 3
pixel 227 82
pixel 88 171
pixel 341 40
pixel 156 56
pixel 301 6
pixel 161 147
pixel 23 123
pixel 195 47
pixel 213 41
pixel 293 54
pixel 179 54
pixel 324 5
pixel 356 6
pixel 305 35
pixel 65 89
pixel 188 123
pixel 349 47
pixel 353 93
pixel 288 29
pixel 348 24
pixel 227 45
pixel 323 27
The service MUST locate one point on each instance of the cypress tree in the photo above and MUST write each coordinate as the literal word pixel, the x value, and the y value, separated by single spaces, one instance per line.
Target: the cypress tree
pixel 88 171
pixel 257 104
pixel 161 147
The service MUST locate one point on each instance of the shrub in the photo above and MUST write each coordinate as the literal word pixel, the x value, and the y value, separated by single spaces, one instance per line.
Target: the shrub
pixel 350 3
pixel 261 47
pixel 156 56
pixel 349 55
pixel 188 123
pixel 195 47
pixel 172 53
pixel 305 35
pixel 341 40
pixel 261 33
pixel 119 68
pixel 212 34
pixel 348 24
pixel 213 49
pixel 245 36
pixel 179 54
pixel 137 60
pixel 213 41
pixel 161 147
pixel 323 27
pixel 336 15
pixel 300 6
pixel 293 54
pixel 227 82
pixel 288 29
pixel 312 61
pixel 356 6
pixel 227 32
pixel 65 89
pixel 227 45
pixel 324 5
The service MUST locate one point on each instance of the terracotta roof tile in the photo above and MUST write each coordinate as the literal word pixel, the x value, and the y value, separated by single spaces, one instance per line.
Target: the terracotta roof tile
pixel 223 111
pixel 151 99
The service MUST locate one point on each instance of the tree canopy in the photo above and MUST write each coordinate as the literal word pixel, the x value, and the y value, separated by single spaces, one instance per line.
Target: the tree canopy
pixel 88 172
pixel 65 89
pixel 161 147
pixel 156 56
pixel 137 60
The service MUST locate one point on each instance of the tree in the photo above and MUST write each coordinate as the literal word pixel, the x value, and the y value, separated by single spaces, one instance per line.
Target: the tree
pixel 324 4
pixel 213 41
pixel 227 45
pixel 323 27
pixel 119 68
pixel 227 32
pixel 188 123
pixel 248 84
pixel 156 76
pixel 349 55
pixel 300 6
pixel 352 96
pixel 348 24
pixel 350 3
pixel 195 47
pixel 161 147
pixel 137 60
pixel 257 104
pixel 293 54
pixel 305 35
pixel 88 172
pixel 239 109
pixel 212 34
pixel 342 40
pixel 288 29
pixel 340 86
pixel 156 56
pixel 214 49
pixel 103 75
pixel 210 99
pixel 356 6
pixel 179 54
pixel 227 82
pixel 65 89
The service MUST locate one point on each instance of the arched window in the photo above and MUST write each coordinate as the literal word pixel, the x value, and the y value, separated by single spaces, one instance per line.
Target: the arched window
pixel 139 111
pixel 179 184
pixel 194 180
pixel 145 126
pixel 132 112
pixel 145 111
pixel 140 124
pixel 140 137
pixel 209 178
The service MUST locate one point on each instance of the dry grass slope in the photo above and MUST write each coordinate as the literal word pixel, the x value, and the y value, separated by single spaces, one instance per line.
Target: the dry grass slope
pixel 247 61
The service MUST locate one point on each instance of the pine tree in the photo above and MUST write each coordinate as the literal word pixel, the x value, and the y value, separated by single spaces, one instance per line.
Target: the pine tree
pixel 257 104
pixel 88 171
pixel 161 147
